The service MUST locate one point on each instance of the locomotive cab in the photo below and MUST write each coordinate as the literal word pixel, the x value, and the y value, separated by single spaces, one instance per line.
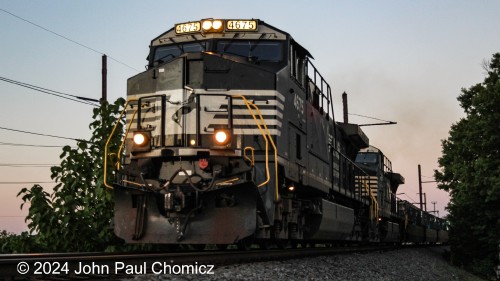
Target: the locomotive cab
pixel 384 184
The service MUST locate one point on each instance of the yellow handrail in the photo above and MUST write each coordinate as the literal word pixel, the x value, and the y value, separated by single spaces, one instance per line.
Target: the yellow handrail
pixel 374 204
pixel 247 103
pixel 267 137
pixel 252 161
pixel 109 140
pixel 123 141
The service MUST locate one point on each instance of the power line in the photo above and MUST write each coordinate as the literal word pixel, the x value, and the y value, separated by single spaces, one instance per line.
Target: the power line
pixel 369 117
pixel 83 100
pixel 44 135
pixel 27 165
pixel 386 122
pixel 25 182
pixel 30 145
pixel 68 39
pixel 12 216
pixel 413 200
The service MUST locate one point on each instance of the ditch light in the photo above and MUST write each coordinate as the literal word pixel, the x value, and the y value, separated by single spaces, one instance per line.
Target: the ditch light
pixel 142 141
pixel 222 137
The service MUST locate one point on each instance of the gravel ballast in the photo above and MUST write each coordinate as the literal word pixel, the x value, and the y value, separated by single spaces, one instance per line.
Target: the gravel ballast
pixel 403 264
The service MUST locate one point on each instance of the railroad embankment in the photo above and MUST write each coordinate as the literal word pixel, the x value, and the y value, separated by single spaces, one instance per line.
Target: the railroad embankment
pixel 404 264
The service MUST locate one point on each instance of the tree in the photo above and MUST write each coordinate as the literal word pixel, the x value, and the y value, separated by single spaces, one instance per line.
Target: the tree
pixel 470 172
pixel 77 215
pixel 11 243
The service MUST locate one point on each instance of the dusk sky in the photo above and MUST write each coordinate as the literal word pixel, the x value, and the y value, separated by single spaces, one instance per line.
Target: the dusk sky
pixel 403 61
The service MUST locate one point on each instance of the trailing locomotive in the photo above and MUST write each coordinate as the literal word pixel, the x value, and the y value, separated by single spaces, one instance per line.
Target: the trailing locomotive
pixel 231 139
pixel 399 220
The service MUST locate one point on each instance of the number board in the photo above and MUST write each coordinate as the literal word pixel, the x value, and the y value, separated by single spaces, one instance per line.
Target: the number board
pixel 187 27
pixel 241 25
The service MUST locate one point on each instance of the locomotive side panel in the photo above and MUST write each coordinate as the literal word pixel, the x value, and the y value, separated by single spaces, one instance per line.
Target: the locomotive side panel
pixel 332 222
pixel 393 233
pixel 318 131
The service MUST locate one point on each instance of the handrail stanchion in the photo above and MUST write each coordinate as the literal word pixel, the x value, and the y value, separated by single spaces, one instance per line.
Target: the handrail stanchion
pixel 109 140
pixel 267 138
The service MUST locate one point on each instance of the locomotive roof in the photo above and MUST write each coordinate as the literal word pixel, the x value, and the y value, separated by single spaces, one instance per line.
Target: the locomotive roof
pixel 371 148
pixel 262 31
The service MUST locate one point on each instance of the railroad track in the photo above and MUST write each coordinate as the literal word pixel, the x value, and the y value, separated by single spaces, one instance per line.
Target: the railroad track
pixel 95 266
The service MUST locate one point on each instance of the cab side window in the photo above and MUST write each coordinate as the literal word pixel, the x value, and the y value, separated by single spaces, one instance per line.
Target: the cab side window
pixel 297 65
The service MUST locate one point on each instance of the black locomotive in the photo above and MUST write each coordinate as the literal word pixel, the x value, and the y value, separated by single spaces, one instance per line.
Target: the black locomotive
pixel 232 140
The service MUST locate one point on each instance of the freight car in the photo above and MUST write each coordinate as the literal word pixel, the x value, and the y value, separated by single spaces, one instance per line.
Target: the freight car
pixel 420 226
pixel 231 139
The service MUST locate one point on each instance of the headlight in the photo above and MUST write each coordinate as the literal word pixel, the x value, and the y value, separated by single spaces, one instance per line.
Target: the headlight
pixel 142 141
pixel 207 25
pixel 222 137
pixel 212 26
pixel 139 139
pixel 217 24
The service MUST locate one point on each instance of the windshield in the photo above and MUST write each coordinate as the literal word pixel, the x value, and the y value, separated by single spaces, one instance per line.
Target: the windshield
pixel 259 50
pixel 366 158
pixel 271 51
pixel 168 52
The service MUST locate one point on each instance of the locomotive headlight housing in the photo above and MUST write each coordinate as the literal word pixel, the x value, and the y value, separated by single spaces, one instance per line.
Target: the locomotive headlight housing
pixel 212 25
pixel 217 24
pixel 139 139
pixel 222 137
pixel 142 141
pixel 207 25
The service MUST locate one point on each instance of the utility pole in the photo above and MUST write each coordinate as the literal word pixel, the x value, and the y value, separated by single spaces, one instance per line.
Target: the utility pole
pixel 435 212
pixel 344 104
pixel 425 202
pixel 104 79
pixel 420 186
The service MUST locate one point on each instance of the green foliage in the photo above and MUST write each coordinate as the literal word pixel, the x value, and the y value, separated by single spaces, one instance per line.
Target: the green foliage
pixel 12 243
pixel 470 171
pixel 77 215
